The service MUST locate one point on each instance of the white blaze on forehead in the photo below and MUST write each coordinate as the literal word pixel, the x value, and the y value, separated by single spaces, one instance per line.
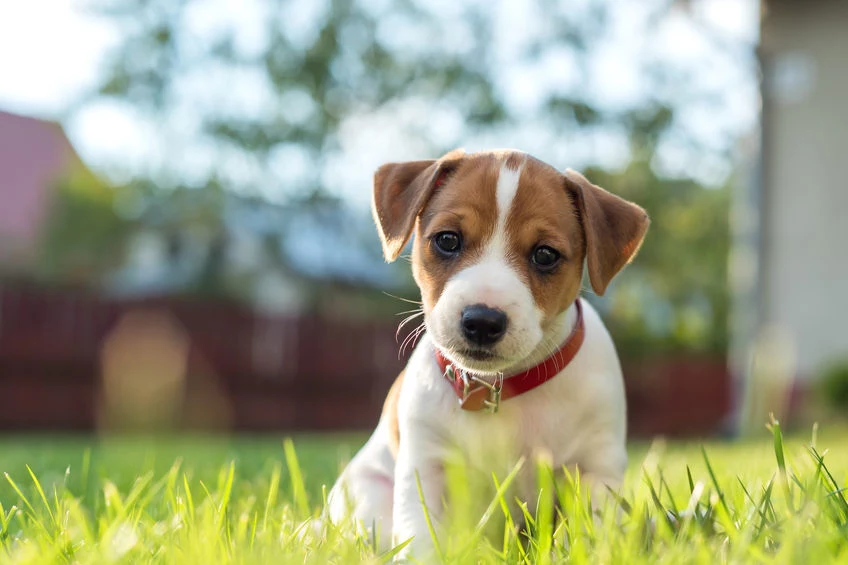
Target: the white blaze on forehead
pixel 505 192
pixel 507 188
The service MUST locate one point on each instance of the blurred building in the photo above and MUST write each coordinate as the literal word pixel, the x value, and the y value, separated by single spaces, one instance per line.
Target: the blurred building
pixel 790 268
pixel 34 155
pixel 287 259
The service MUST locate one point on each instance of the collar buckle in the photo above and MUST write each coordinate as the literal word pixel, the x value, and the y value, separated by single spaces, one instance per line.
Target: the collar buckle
pixel 493 403
pixel 472 384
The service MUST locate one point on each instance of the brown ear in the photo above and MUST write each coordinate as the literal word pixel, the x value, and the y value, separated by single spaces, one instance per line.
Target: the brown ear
pixel 401 190
pixel 614 229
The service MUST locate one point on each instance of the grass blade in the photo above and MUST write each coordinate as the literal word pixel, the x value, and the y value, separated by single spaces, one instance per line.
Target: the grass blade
pixel 296 479
pixel 43 496
pixel 714 480
pixel 779 455
pixel 427 518
pixel 271 498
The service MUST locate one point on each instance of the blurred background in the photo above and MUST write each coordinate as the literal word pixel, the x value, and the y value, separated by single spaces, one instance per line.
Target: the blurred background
pixel 185 239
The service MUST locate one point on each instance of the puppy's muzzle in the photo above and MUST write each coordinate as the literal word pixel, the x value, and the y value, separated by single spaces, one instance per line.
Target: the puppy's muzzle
pixel 483 326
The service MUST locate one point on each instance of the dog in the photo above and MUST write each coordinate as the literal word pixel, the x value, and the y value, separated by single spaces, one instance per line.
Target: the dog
pixel 513 362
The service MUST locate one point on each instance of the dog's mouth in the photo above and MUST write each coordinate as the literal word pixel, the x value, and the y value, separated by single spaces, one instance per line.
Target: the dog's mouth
pixel 484 359
pixel 478 354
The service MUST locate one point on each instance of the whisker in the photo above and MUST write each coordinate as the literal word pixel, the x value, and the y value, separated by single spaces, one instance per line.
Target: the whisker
pixel 408 311
pixel 551 346
pixel 390 295
pixel 406 321
pixel 555 355
pixel 417 335
pixel 410 339
pixel 406 337
pixel 410 317
pixel 410 342
pixel 547 344
pixel 402 347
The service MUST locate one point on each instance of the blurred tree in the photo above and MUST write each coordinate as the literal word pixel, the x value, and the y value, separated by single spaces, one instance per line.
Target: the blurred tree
pixel 263 94
pixel 85 236
pixel 674 296
pixel 268 106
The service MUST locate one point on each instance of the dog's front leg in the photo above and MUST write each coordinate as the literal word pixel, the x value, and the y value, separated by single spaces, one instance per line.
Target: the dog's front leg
pixel 602 469
pixel 417 464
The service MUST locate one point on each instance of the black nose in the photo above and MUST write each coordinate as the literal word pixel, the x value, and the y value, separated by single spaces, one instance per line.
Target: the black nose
pixel 482 325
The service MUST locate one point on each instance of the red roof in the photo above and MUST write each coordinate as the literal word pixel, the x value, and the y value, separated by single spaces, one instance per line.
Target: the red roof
pixel 33 155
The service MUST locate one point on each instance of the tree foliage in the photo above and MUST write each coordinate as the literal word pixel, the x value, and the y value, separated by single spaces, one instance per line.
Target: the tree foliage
pixel 267 105
pixel 264 104
pixel 674 297
pixel 85 234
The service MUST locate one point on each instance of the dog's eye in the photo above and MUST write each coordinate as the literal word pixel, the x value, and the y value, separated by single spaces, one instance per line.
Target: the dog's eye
pixel 545 258
pixel 447 242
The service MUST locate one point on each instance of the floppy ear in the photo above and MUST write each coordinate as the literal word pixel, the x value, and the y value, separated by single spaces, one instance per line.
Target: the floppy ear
pixel 614 229
pixel 401 190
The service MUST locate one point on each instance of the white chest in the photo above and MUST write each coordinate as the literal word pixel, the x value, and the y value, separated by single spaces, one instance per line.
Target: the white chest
pixel 539 422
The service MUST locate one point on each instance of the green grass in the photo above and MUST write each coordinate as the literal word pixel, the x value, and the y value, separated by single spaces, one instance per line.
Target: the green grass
pixel 249 499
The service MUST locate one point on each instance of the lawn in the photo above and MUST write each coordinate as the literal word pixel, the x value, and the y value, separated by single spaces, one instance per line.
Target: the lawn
pixel 239 499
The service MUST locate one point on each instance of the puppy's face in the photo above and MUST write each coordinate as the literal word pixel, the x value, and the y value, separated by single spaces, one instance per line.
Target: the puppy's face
pixel 501 239
pixel 498 255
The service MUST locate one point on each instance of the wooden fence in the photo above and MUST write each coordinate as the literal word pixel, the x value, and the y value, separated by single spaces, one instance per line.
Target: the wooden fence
pixel 250 371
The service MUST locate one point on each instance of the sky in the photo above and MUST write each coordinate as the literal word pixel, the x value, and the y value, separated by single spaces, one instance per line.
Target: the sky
pixel 53 51
pixel 48 60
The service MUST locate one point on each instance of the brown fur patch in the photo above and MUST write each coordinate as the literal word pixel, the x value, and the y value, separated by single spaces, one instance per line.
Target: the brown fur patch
pixel 514 160
pixel 390 411
pixel 542 213
pixel 614 229
pixel 466 204
pixel 400 192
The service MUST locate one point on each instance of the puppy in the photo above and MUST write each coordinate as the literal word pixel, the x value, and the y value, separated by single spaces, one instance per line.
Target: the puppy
pixel 513 363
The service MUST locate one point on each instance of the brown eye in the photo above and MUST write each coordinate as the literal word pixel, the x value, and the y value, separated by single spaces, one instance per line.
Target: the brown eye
pixel 545 258
pixel 447 243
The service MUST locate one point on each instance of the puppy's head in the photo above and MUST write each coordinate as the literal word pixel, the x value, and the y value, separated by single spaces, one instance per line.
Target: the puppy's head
pixel 501 239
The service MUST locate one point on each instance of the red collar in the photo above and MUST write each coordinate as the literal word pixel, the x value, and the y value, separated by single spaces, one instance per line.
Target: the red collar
pixel 475 393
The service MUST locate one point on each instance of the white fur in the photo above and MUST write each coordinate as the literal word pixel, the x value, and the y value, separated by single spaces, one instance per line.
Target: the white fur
pixel 506 190
pixel 577 418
